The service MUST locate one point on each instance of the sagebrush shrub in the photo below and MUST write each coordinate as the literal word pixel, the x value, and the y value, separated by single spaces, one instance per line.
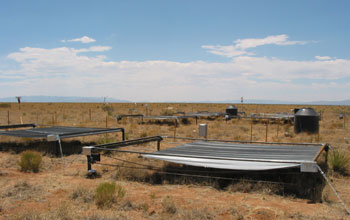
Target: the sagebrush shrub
pixel 30 161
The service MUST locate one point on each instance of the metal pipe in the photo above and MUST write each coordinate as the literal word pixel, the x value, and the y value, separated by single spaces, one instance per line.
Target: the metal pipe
pixel 244 142
pixel 333 189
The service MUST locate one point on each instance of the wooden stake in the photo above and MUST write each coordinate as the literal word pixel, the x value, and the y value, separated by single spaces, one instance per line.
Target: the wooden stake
pixel 90 114
pixel 8 117
pixel 106 121
pixel 278 127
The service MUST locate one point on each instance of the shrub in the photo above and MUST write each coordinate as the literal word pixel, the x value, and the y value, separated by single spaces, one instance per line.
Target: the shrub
pixel 339 161
pixel 169 205
pixel 108 108
pixel 105 194
pixel 5 105
pixel 30 161
pixel 82 194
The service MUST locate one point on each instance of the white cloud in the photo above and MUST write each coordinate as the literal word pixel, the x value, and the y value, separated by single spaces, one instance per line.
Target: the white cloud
pixel 241 45
pixel 93 49
pixel 84 40
pixel 68 71
pixel 323 57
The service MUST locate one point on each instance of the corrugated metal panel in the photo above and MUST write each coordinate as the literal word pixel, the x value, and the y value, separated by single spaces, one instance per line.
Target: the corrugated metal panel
pixel 238 156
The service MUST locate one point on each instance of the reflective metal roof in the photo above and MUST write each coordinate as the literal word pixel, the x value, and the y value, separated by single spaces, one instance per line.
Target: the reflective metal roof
pixel 237 156
pixel 61 131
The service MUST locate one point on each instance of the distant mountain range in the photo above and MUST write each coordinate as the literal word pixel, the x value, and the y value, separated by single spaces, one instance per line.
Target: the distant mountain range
pixel 62 99
pixel 102 99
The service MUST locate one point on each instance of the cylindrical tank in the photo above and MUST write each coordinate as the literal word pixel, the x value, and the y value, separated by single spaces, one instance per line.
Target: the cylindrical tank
pixel 306 120
pixel 232 110
pixel 296 110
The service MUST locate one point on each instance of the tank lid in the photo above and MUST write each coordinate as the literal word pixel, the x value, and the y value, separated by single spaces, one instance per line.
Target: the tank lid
pixel 231 107
pixel 306 112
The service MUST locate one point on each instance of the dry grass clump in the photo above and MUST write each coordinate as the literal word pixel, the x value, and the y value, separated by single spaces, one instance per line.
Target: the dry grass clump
pixel 339 161
pixel 108 193
pixel 30 161
pixel 21 191
pixel 247 187
pixel 169 205
pixel 82 194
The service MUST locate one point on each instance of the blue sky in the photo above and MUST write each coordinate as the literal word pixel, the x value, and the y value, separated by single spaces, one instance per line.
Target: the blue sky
pixel 176 50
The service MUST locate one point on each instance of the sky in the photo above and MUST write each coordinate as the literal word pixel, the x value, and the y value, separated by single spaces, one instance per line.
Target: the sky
pixel 176 51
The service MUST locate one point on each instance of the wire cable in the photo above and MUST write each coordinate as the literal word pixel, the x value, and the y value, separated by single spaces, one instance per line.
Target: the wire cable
pixel 199 176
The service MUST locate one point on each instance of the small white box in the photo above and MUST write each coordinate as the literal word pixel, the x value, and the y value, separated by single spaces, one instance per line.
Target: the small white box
pixel 203 130
pixel 52 137
pixel 309 167
pixel 87 150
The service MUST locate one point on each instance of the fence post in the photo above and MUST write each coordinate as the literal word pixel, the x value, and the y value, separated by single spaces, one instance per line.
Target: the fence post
pixel 8 117
pixel 267 127
pixel 251 130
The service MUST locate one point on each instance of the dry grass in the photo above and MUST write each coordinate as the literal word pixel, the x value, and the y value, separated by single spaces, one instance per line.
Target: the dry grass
pixel 55 193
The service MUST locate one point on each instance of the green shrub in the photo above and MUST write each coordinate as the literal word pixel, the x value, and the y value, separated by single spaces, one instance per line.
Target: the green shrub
pixel 30 161
pixel 339 161
pixel 105 194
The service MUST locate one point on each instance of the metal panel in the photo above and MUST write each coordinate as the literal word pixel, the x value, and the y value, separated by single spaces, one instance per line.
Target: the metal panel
pixel 62 132
pixel 238 156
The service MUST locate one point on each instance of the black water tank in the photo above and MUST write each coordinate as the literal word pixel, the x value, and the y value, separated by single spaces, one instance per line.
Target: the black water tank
pixel 232 110
pixel 306 120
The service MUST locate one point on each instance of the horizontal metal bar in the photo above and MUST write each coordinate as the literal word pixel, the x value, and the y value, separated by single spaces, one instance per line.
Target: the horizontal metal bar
pixel 129 142
pixel 86 133
pixel 243 142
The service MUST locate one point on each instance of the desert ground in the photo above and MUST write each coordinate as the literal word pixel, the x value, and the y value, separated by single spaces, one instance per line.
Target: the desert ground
pixel 62 190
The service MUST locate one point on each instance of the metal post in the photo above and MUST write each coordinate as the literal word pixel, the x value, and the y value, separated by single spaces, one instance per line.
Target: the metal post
pixel 251 130
pixel 267 128
pixel 333 189
pixel 175 129
pixel 59 143
pixel 88 162
pixel 123 134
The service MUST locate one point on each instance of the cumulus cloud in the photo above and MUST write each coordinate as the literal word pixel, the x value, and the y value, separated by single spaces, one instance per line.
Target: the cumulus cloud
pixel 67 71
pixel 241 45
pixel 84 40
pixel 70 71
